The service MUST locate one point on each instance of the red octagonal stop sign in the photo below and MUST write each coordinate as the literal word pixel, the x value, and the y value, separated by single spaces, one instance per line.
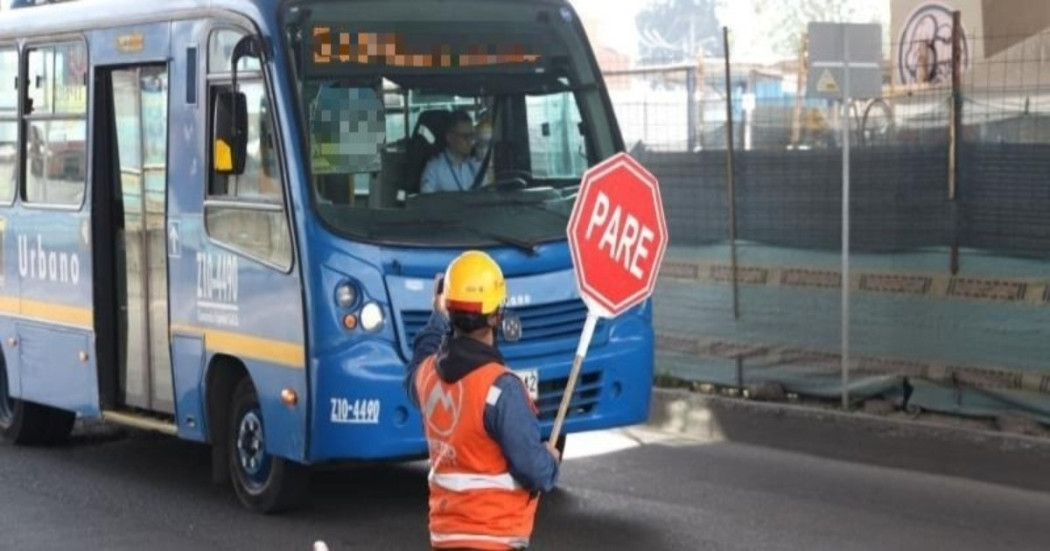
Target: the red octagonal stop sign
pixel 618 235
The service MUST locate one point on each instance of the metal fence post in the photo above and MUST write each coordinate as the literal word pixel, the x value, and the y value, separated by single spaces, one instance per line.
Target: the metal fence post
pixel 955 127
pixel 701 101
pixel 690 90
pixel 800 91
pixel 730 178
pixel 953 152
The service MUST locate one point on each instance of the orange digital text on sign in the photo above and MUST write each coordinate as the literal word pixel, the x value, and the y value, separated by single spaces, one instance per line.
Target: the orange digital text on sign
pixel 389 49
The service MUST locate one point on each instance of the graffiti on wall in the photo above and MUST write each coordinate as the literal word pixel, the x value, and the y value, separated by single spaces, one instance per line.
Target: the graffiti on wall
pixel 924 54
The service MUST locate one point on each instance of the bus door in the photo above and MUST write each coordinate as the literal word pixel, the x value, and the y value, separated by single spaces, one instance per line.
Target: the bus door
pixel 130 204
pixel 138 138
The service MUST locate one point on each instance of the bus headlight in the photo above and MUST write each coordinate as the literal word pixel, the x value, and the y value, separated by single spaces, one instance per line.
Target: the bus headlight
pixel 345 295
pixel 372 317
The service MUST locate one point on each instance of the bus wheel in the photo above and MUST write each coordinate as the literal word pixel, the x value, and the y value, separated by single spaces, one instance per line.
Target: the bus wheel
pixel 28 423
pixel 10 411
pixel 59 426
pixel 264 483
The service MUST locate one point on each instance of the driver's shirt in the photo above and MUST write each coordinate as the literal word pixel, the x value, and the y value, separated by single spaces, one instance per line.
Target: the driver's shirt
pixel 444 173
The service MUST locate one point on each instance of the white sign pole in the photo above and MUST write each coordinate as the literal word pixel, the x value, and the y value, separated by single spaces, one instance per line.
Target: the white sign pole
pixel 570 387
pixel 846 126
pixel 864 43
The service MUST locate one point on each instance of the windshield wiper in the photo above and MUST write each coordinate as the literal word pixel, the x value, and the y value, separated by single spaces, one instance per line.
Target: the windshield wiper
pixel 527 246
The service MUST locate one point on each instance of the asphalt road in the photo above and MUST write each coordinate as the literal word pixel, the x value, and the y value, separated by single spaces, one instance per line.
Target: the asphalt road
pixel 631 489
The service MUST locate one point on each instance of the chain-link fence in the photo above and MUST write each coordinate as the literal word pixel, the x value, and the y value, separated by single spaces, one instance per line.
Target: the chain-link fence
pixel 652 106
pixel 1004 99
pixel 949 226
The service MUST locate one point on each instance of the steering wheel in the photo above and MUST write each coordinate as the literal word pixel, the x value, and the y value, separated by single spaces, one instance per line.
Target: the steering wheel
pixel 511 179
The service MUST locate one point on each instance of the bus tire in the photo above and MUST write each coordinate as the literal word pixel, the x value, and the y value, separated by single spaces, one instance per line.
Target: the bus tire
pixel 26 423
pixel 263 483
pixel 59 427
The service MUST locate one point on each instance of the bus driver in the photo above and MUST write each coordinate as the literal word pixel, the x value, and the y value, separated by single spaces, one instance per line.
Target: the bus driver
pixel 455 168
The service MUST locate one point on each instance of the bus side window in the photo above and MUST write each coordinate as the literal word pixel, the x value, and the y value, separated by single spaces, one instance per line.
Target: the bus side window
pixel 556 141
pixel 260 180
pixel 220 52
pixel 250 216
pixel 8 124
pixel 56 140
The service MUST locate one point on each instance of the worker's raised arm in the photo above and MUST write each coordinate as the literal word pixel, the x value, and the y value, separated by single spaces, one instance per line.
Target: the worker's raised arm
pixel 428 340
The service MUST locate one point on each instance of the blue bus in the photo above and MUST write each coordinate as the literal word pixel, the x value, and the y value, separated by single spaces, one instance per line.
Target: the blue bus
pixel 211 222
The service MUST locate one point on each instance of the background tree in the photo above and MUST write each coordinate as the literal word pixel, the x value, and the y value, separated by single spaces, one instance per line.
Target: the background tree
pixel 774 28
pixel 672 31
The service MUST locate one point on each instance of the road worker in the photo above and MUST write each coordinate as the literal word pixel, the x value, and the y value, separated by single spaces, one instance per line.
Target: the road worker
pixel 487 461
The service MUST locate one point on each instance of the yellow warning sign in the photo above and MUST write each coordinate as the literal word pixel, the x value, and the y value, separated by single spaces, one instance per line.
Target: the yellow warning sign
pixel 827 83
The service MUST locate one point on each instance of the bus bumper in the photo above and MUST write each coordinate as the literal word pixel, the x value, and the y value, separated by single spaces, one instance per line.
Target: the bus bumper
pixel 361 411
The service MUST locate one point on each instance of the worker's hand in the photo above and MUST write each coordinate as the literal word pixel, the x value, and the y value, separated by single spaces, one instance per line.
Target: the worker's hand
pixel 554 452
pixel 439 295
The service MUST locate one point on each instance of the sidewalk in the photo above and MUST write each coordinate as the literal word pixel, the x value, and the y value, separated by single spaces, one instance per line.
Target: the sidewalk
pixel 987 456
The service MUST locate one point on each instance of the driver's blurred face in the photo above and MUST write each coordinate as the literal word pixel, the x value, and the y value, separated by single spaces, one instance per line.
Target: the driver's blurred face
pixel 461 138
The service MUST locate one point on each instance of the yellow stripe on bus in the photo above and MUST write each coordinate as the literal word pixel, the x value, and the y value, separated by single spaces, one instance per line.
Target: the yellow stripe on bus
pixel 246 346
pixel 54 312
pixel 10 305
pixel 224 342
pixel 60 313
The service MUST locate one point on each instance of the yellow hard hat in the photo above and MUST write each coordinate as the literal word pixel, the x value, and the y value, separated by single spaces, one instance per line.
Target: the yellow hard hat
pixel 474 284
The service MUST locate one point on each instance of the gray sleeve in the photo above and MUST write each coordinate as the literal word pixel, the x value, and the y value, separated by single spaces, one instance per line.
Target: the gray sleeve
pixel 512 424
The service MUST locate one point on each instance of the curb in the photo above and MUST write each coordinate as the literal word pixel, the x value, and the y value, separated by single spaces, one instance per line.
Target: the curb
pixel 954 451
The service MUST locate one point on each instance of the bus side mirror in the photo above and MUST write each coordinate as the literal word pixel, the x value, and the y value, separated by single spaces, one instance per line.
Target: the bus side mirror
pixel 229 133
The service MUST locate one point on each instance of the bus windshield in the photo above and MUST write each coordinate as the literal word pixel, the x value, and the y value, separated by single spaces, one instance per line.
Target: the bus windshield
pixel 461 129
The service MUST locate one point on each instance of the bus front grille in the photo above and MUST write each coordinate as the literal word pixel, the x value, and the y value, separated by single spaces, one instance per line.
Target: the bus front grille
pixel 545 322
pixel 585 396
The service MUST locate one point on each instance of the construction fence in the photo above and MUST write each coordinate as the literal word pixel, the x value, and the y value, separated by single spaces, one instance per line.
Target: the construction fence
pixel 949 228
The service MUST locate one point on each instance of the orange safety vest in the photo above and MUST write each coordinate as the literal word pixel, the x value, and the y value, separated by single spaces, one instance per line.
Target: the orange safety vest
pixel 474 501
